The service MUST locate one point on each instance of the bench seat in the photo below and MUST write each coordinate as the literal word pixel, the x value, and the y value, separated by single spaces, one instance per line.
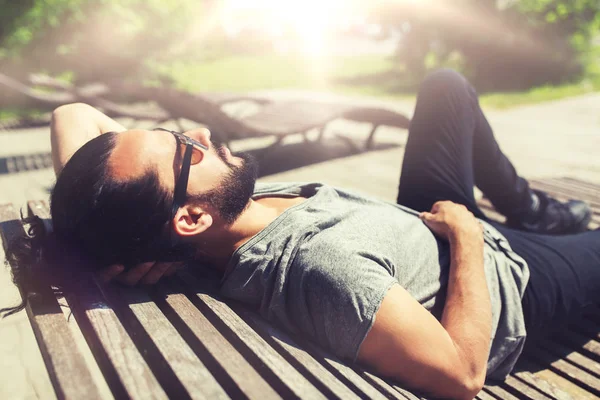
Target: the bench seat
pixel 180 340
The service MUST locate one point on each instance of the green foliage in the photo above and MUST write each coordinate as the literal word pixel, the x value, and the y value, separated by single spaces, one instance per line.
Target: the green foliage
pixel 499 44
pixel 574 19
pixel 95 39
pixel 503 44
pixel 22 21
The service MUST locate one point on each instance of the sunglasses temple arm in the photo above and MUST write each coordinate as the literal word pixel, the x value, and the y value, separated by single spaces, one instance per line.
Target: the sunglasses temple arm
pixel 182 181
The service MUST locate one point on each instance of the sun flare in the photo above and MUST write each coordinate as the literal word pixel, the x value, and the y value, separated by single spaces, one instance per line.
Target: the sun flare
pixel 312 22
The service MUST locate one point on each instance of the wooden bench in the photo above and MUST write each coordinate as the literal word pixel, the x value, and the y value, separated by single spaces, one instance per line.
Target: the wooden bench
pixel 180 340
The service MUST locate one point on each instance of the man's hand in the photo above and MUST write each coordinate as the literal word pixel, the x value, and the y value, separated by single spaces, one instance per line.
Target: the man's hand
pixel 446 358
pixel 450 220
pixel 147 273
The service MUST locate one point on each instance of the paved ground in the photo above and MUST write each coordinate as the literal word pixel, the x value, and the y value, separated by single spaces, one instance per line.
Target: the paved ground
pixel 559 138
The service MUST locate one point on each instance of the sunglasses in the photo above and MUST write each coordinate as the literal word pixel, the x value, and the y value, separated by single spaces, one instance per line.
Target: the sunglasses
pixel 181 184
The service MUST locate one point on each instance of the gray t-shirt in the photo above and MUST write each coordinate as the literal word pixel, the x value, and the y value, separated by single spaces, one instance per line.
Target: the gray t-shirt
pixel 323 267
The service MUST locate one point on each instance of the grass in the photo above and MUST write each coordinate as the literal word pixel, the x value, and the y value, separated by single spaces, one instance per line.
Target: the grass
pixel 10 114
pixel 541 94
pixel 249 73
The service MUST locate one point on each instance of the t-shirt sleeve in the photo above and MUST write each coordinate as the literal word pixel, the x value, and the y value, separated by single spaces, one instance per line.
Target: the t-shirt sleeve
pixel 333 296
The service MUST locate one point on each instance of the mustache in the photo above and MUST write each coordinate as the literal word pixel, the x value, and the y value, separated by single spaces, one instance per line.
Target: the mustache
pixel 220 150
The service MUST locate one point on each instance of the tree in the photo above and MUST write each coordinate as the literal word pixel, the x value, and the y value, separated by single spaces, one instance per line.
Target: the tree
pixel 509 44
pixel 86 41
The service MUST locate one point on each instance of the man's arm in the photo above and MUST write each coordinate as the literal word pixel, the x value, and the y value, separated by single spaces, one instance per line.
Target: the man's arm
pixel 72 126
pixel 446 358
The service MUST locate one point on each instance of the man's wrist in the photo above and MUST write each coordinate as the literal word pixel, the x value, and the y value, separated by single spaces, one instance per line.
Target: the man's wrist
pixel 461 234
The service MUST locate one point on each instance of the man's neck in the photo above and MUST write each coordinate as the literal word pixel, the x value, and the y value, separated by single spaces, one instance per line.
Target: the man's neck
pixel 223 242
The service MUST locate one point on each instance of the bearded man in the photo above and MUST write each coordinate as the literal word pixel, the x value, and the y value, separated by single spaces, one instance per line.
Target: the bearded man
pixel 427 291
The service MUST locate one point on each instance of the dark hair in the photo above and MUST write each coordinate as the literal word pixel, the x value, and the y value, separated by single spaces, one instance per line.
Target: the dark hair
pixel 111 221
pixel 104 220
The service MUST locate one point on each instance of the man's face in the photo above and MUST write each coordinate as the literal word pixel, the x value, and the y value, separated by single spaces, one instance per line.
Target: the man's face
pixel 217 179
pixel 231 197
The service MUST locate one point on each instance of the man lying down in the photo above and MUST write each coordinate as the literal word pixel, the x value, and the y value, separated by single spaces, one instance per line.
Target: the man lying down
pixel 426 291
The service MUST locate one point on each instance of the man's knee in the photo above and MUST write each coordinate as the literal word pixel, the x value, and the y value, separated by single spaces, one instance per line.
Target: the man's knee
pixel 444 81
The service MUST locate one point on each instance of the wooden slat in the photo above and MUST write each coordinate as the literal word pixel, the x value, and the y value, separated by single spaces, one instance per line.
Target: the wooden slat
pixel 349 374
pixel 83 347
pixel 499 392
pixel 120 352
pixel 301 359
pixel 572 190
pixel 524 390
pixel 288 380
pixel 547 381
pixel 287 346
pixel 543 386
pixel 193 379
pixel 66 365
pixel 236 371
pixel 576 187
pixel 582 183
pixel 23 371
pixel 569 341
pixel 483 395
pixel 409 395
pixel 568 370
pixel 351 377
pixel 390 390
pixel 119 359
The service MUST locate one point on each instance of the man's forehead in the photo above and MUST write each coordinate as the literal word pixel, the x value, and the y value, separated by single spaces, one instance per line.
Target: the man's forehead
pixel 137 150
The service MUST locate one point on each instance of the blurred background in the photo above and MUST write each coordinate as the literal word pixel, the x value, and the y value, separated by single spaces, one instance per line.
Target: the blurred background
pixel 514 51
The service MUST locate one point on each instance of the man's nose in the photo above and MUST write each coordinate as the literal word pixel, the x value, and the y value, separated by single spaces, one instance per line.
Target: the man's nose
pixel 202 135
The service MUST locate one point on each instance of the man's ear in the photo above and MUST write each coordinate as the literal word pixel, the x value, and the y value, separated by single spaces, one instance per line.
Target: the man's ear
pixel 191 221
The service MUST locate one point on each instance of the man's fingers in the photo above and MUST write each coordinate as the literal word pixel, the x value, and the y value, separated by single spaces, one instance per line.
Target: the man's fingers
pixel 426 216
pixel 147 273
pixel 436 206
pixel 430 220
pixel 108 273
pixel 133 276
pixel 155 273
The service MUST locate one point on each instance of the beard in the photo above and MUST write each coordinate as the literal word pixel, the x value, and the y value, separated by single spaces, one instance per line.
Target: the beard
pixel 229 200
pixel 233 195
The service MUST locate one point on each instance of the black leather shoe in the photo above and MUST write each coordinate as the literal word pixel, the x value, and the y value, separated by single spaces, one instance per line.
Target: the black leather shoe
pixel 555 217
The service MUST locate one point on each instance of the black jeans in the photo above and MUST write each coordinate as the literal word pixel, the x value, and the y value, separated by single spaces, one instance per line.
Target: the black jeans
pixel 450 149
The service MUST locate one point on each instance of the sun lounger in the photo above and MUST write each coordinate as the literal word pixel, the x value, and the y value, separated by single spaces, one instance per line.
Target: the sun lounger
pixel 180 340
pixel 278 118
pixel 284 118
